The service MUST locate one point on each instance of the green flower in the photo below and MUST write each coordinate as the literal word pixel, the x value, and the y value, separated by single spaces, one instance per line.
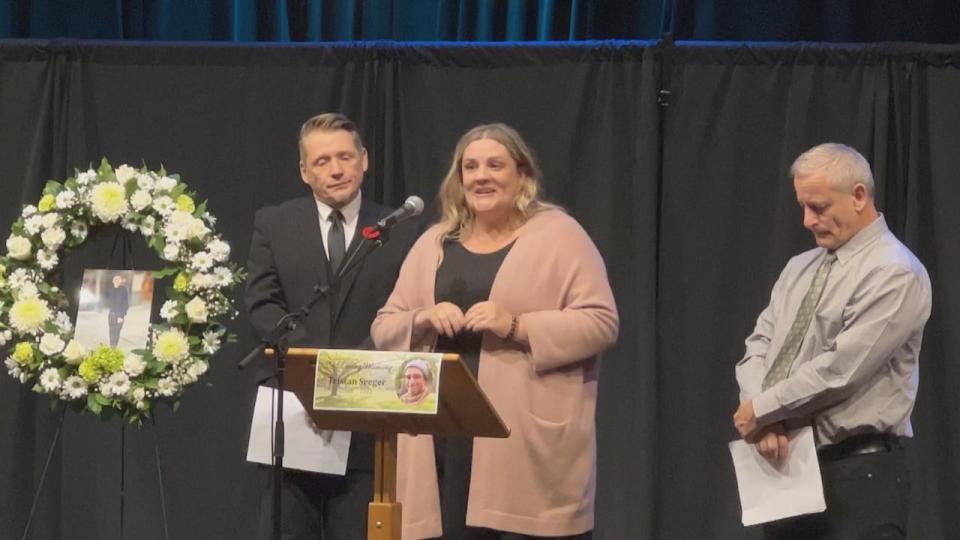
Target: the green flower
pixel 185 203
pixel 46 203
pixel 23 353
pixel 106 359
pixel 181 282
pixel 89 371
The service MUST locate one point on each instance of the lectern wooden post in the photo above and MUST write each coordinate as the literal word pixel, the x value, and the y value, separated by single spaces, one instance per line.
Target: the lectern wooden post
pixel 463 410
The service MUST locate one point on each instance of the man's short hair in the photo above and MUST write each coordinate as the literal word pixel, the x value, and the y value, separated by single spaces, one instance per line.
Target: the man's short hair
pixel 329 122
pixel 843 166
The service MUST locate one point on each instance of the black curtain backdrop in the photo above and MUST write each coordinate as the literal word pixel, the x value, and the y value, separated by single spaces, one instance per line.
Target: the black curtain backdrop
pixel 688 201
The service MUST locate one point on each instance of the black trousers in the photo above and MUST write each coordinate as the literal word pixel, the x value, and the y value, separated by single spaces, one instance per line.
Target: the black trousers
pixel 115 324
pixel 317 506
pixel 867 496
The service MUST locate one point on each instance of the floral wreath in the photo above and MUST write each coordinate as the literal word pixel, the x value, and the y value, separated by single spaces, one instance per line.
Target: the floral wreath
pixel 38 333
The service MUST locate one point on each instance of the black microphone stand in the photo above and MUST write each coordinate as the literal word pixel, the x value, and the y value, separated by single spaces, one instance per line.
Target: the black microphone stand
pixel 278 339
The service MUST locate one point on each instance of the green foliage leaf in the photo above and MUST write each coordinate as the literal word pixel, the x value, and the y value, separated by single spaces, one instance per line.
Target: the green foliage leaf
pixel 93 404
pixel 52 188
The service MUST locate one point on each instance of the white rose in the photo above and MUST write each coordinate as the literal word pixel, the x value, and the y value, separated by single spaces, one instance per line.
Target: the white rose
pixel 196 310
pixel 51 344
pixel 53 238
pixel 171 252
pixel 166 184
pixel 134 365
pixel 29 210
pixel 140 200
pixel 197 229
pixel 18 248
pixel 74 353
pixel 125 173
pixel 49 220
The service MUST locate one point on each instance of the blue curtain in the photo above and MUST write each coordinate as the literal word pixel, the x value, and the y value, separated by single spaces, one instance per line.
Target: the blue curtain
pixel 932 21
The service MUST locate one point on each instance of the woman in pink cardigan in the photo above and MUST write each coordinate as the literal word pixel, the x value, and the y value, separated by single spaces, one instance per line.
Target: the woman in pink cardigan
pixel 517 288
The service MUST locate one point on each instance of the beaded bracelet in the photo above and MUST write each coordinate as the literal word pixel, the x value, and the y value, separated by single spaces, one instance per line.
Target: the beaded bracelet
pixel 514 324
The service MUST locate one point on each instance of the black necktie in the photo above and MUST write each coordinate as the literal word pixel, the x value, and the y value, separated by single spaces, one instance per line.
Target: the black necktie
pixel 336 245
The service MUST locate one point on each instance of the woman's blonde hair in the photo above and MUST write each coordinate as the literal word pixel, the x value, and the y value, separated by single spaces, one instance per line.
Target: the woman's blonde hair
pixel 456 217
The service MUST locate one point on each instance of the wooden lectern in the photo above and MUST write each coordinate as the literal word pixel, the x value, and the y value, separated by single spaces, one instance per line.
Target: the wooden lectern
pixel 463 410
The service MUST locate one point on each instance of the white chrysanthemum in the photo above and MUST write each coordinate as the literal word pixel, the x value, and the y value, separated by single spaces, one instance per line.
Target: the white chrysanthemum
pixel 164 205
pixel 79 230
pixel 196 310
pixel 134 364
pixel 26 290
pixel 13 367
pixel 108 201
pixel 5 337
pixel 28 315
pixel 50 380
pixel 51 344
pixel 201 261
pixel 125 173
pixel 33 224
pixel 203 281
pixel 198 368
pixel 49 220
pixel 211 341
pixel 86 177
pixel 171 346
pixel 74 388
pixel 147 226
pixel 145 181
pixel 140 199
pixel 28 210
pixel 117 385
pixel 129 223
pixel 66 199
pixel 53 238
pixel 171 251
pixel 20 277
pixel 18 248
pixel 219 250
pixel 47 260
pixel 166 387
pixel 74 353
pixel 166 184
pixel 169 310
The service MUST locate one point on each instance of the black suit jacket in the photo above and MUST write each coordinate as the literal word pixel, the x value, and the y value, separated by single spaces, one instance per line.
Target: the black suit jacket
pixel 287 262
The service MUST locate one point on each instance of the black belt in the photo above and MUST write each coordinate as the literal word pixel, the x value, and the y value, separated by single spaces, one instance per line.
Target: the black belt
pixel 858 445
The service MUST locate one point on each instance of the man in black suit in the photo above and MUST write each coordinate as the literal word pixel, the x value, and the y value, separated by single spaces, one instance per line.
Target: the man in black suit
pixel 297 245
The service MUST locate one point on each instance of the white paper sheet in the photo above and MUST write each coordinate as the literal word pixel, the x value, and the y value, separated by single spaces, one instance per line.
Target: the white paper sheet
pixel 306 447
pixel 768 493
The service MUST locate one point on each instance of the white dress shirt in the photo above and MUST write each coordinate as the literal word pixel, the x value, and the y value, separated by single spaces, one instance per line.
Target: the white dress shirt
pixel 351 214
pixel 857 368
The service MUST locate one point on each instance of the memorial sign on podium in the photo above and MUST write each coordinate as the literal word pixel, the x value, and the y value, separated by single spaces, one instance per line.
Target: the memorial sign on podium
pixel 462 409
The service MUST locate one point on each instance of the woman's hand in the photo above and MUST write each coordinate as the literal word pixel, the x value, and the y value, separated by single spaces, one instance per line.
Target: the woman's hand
pixel 444 318
pixel 488 317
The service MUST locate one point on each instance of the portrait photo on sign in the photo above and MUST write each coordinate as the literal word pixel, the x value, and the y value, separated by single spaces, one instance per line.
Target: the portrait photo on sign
pixel 114 309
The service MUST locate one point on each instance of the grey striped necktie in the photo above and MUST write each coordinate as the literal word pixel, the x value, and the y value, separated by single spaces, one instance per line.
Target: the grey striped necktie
pixel 791 345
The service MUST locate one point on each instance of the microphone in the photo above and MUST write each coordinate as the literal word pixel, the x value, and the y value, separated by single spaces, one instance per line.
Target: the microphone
pixel 413 206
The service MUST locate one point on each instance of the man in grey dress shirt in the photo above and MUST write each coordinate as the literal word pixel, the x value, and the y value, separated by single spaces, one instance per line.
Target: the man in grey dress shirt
pixel 850 367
